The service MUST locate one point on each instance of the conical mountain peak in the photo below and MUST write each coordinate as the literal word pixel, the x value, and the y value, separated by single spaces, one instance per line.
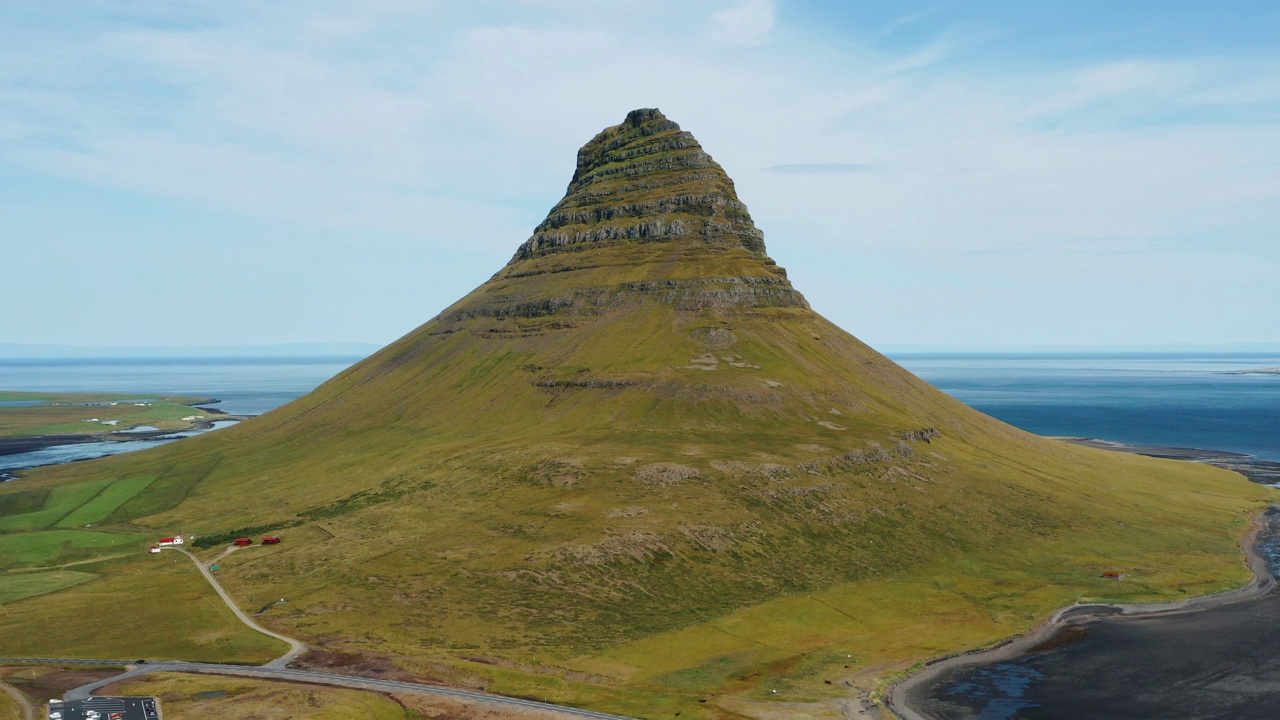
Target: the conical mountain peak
pixel 632 437
pixel 645 180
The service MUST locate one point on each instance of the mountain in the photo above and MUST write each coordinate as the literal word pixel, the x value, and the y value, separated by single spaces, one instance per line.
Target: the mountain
pixel 634 470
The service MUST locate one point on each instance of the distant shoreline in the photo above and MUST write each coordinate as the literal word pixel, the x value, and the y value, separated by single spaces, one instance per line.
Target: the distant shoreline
pixel 32 443
pixel 1263 472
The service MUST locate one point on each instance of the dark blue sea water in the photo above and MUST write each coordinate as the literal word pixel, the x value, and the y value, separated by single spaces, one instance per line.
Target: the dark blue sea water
pixel 1195 401
pixel 1198 401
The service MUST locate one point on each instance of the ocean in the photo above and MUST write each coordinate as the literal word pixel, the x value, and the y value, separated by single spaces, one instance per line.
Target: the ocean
pixel 1188 400
pixel 1178 400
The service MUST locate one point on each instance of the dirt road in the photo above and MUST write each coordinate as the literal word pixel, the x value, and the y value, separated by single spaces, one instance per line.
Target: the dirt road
pixel 296 647
pixel 28 711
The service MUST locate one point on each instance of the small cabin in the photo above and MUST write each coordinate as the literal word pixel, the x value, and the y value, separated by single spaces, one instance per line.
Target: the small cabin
pixel 154 549
pixel 270 540
pixel 242 542
pixel 1111 575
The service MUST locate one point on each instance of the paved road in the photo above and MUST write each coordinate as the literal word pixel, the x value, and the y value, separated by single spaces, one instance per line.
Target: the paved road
pixel 296 647
pixel 278 669
pixel 286 674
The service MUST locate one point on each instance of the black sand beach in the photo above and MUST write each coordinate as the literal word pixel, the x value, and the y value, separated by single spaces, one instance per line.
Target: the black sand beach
pixel 1215 657
pixel 1259 471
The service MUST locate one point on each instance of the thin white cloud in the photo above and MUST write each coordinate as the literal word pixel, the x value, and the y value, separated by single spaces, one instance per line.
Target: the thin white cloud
pixel 460 129
pixel 823 168
pixel 745 24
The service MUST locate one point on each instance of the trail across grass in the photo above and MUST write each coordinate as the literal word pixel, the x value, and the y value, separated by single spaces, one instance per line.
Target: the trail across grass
pixel 18 587
pixel 40 548
pixel 106 502
pixel 75 505
pixel 59 503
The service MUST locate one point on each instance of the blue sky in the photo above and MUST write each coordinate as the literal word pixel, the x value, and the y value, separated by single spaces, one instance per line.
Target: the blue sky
pixel 993 174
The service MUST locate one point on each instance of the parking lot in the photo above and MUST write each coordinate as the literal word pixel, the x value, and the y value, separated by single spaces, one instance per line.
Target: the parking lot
pixel 106 708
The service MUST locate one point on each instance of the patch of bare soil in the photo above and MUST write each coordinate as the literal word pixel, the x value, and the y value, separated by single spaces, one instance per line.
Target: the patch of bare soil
pixel 438 708
pixel 665 473
pixel 361 665
pixel 41 683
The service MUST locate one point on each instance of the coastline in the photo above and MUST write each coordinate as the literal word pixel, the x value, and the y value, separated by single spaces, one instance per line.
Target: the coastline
pixel 1263 472
pixel 900 697
pixel 17 446
pixel 31 443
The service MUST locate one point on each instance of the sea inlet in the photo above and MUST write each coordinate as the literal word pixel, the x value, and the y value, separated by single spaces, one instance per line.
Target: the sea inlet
pixel 1216 662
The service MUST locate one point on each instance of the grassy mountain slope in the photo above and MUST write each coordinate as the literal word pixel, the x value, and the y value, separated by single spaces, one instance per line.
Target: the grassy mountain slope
pixel 634 469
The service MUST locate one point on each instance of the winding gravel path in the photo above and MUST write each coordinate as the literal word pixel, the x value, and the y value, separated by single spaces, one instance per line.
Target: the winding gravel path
pixel 28 711
pixel 296 647
pixel 278 669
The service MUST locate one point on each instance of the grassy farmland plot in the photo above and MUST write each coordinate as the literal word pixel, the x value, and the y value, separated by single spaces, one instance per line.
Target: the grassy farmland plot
pixel 9 708
pixel 105 502
pixel 149 606
pixel 69 506
pixel 245 699
pixel 14 587
pixel 59 503
pixel 52 546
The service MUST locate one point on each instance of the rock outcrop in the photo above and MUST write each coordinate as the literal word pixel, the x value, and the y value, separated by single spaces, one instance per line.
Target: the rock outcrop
pixel 648 216
pixel 646 180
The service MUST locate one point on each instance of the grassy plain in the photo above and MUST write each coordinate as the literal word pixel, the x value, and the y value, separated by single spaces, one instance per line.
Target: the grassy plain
pixel 250 699
pixel 155 607
pixel 57 503
pixel 246 699
pixel 68 413
pixel 25 585
pixel 105 502
pixel 10 709
pixel 51 547
pixel 67 506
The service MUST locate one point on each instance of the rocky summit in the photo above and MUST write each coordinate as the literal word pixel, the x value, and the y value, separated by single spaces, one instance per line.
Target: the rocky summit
pixel 644 190
pixel 634 470
pixel 646 179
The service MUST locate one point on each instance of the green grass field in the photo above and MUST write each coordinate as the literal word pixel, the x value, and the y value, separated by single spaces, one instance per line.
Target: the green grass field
pixel 246 699
pixel 53 546
pixel 105 502
pixel 70 506
pixel 15 587
pixel 9 708
pixel 58 503
pixel 145 606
